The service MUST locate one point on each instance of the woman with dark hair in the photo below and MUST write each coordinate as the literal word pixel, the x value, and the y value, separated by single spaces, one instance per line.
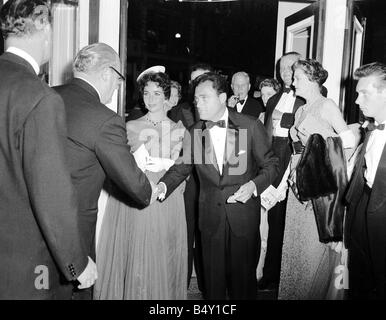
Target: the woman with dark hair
pixel 142 253
pixel 307 259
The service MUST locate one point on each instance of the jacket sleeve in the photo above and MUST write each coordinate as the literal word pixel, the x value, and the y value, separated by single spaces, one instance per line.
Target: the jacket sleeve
pixel 117 161
pixel 182 167
pixel 267 162
pixel 49 184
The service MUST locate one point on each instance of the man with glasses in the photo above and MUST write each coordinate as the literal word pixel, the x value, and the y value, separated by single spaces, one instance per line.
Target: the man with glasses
pixel 97 144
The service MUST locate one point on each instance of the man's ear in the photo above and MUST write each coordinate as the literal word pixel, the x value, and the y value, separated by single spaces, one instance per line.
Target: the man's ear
pixel 249 87
pixel 223 97
pixel 106 74
pixel 42 20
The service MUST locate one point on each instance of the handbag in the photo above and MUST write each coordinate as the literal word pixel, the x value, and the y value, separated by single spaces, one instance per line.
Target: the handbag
pixel 323 183
pixel 314 176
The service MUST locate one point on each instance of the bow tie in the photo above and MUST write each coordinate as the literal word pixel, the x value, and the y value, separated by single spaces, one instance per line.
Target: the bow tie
pixel 372 126
pixel 241 101
pixel 211 124
pixel 287 90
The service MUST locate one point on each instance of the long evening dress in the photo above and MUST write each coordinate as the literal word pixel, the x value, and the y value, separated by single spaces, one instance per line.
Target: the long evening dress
pixel 142 254
pixel 307 264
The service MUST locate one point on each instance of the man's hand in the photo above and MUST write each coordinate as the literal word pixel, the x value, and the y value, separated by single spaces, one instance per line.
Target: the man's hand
pixel 161 191
pixel 232 101
pixel 244 193
pixel 88 276
pixel 154 192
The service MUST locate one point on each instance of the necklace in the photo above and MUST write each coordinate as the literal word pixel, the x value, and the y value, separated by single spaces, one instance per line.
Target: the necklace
pixel 154 123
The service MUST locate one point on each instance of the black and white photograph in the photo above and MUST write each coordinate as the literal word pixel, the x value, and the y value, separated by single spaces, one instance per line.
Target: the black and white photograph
pixel 203 156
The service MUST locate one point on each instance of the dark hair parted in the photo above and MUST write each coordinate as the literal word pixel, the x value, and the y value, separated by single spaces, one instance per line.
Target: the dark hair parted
pixel 376 69
pixel 312 69
pixel 160 78
pixel 219 82
pixel 24 17
pixel 200 66
pixel 270 82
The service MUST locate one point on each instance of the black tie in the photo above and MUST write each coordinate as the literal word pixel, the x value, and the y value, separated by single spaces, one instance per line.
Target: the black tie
pixel 211 124
pixel 241 101
pixel 372 126
pixel 287 90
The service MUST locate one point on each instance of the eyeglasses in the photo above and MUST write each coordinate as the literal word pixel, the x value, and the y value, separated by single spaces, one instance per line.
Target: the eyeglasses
pixel 121 77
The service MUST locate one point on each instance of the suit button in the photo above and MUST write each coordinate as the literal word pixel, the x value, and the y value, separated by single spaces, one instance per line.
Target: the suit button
pixel 219 204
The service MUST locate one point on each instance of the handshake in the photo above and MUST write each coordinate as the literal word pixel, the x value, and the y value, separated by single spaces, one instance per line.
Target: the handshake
pixel 158 191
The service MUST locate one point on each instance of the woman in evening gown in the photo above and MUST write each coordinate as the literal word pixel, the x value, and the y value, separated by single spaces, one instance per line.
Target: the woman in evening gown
pixel 307 264
pixel 142 253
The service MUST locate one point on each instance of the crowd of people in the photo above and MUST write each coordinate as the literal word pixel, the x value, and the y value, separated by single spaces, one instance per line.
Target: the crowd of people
pixel 199 180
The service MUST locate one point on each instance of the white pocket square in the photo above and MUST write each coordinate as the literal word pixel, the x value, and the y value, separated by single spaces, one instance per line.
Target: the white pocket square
pixel 241 152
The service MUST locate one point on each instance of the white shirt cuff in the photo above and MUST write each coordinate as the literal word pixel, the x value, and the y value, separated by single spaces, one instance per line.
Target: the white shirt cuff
pixel 348 139
pixel 165 188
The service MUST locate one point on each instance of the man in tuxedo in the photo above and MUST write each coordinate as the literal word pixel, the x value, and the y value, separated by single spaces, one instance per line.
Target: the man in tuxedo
pixel 240 101
pixel 234 162
pixel 97 143
pixel 365 227
pixel 279 118
pixel 188 114
pixel 40 244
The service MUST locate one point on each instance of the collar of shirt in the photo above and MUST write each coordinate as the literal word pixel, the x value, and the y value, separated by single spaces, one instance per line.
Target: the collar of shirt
pixel 99 95
pixel 26 56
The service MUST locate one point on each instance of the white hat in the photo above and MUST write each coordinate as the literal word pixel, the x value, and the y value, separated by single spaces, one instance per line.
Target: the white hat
pixel 153 69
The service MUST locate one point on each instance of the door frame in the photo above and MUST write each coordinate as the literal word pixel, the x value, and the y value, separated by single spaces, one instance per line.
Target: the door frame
pixel 348 84
pixel 315 14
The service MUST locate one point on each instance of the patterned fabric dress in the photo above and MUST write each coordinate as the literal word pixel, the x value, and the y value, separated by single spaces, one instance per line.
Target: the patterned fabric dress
pixel 307 264
pixel 142 254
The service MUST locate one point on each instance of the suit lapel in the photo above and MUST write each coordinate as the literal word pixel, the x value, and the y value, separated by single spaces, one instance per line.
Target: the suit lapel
pixel 358 179
pixel 232 139
pixel 209 153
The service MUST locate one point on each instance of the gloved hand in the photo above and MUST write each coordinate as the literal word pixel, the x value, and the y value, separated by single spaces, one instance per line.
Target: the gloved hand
pixel 155 164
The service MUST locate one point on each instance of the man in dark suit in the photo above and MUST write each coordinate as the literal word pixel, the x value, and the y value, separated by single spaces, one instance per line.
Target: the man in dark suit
pixel 188 114
pixel 279 118
pixel 40 245
pixel 365 223
pixel 233 159
pixel 97 143
pixel 240 101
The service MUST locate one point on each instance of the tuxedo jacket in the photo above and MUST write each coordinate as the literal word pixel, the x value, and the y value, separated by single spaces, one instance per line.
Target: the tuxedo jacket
pixel 288 120
pixel 39 234
pixel 252 107
pixel 247 157
pixel 96 148
pixel 377 201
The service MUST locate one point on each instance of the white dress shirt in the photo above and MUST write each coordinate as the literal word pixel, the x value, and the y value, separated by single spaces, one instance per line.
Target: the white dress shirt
pixel 240 106
pixel 285 105
pixel 373 154
pixel 26 56
pixel 218 137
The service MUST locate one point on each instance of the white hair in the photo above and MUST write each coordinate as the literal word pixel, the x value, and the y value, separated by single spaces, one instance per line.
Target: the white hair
pixel 241 73
pixel 93 58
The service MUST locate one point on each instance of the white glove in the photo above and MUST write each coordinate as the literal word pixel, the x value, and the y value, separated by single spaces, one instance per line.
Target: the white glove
pixel 155 164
